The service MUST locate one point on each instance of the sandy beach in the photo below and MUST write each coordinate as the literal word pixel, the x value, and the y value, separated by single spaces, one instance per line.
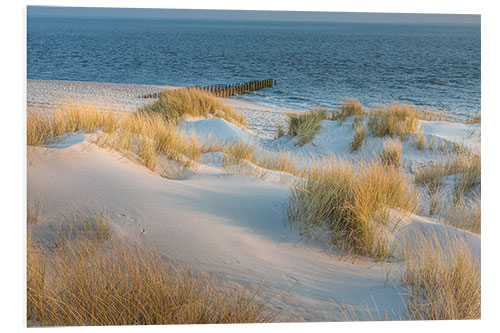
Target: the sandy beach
pixel 233 226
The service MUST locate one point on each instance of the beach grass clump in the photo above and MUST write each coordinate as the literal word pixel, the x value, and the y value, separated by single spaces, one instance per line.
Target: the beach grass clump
pixel 358 138
pixel 394 120
pixel 89 282
pixel 175 104
pixel 241 150
pixel 47 127
pixel 36 263
pixel 140 136
pixel 146 137
pixel 391 152
pixel 305 125
pixel 432 176
pixel 467 171
pixel 420 141
pixel 359 120
pixel 348 107
pixel 237 152
pixel 96 227
pixel 352 201
pixel 469 176
pixel 280 131
pixel 443 278
pixel 464 214
pixel 281 161
pixel 82 226
pixel 474 119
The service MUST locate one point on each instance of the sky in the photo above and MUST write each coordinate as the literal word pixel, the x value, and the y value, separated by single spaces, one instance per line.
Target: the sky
pixel 251 15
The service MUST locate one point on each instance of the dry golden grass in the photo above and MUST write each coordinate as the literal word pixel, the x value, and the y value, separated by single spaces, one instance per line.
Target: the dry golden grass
pixel 140 136
pixel 148 137
pixel 464 214
pixel 432 174
pixel 391 153
pixel 47 127
pixel 359 120
pixel 352 200
pixel 89 281
pixel 469 176
pixel 143 137
pixel 241 150
pixel 305 125
pixel 474 119
pixel 173 105
pixel 394 120
pixel 420 141
pixel 432 177
pixel 358 138
pixel 348 107
pixel 443 278
pixel 237 152
pixel 284 162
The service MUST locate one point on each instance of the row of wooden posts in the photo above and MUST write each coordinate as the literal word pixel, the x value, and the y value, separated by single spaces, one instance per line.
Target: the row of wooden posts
pixel 227 90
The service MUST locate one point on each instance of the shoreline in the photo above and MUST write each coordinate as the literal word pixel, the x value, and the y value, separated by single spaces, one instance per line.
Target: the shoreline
pixel 87 89
pixel 46 94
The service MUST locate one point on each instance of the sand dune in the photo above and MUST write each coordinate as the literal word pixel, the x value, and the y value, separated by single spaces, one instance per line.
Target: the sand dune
pixel 229 225
pixel 232 226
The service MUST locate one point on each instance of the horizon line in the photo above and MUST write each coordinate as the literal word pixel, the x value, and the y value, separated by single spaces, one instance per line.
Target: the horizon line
pixel 250 15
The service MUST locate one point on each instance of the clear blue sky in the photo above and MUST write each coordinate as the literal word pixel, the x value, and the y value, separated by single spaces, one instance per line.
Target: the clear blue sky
pixel 250 15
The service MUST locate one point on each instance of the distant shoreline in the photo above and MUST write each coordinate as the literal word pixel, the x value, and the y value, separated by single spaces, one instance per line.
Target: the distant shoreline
pixel 46 94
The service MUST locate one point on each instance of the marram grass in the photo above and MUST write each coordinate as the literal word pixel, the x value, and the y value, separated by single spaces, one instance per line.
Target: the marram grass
pixel 89 281
pixel 305 126
pixel 352 201
pixel 174 104
pixel 391 152
pixel 443 278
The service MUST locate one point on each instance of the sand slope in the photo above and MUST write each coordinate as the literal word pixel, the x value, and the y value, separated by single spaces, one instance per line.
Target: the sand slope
pixel 230 225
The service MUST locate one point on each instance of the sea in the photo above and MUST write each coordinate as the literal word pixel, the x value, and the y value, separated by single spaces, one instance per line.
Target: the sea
pixel 315 64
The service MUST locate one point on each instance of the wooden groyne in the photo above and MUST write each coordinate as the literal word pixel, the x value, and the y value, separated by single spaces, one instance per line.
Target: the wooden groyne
pixel 227 90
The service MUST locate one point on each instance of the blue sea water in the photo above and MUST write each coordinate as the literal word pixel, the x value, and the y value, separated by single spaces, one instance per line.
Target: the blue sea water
pixel 314 63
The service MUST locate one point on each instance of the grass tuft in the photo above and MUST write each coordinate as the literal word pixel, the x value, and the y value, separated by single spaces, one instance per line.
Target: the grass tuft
pixel 420 141
pixel 351 200
pixel 280 131
pixel 432 177
pixel 174 104
pixel 391 153
pixel 140 136
pixel 443 279
pixel 394 120
pixel 349 107
pixel 358 139
pixel 464 214
pixel 469 176
pixel 474 119
pixel 306 125
pixel 47 127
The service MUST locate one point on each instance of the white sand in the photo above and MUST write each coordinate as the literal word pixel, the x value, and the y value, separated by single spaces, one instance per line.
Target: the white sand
pixel 232 226
pixel 48 93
